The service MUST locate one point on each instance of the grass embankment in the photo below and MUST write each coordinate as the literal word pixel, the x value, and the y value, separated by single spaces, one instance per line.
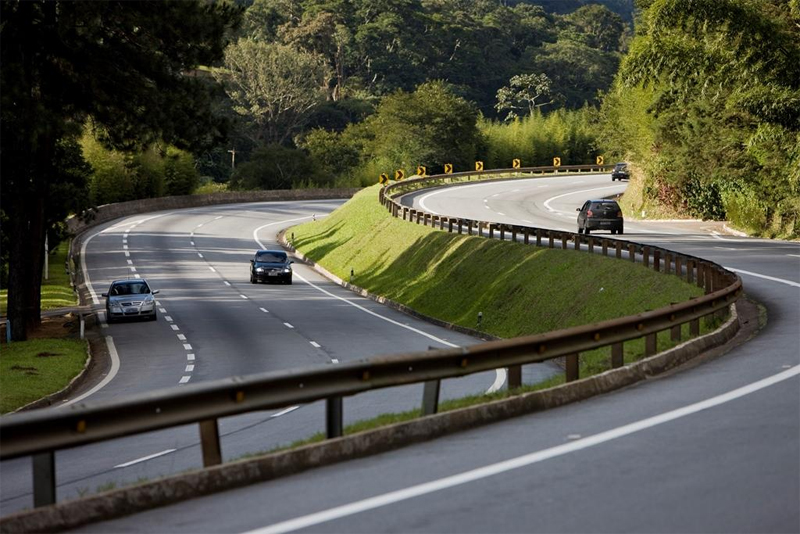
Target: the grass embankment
pixel 519 289
pixel 30 370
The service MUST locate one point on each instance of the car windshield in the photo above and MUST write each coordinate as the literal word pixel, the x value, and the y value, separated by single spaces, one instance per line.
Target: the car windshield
pixel 136 288
pixel 271 257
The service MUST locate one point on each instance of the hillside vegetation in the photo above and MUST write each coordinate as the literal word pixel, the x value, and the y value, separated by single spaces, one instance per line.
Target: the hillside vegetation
pixel 519 289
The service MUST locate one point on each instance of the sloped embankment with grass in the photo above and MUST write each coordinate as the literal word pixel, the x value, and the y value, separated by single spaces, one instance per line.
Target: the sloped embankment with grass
pixel 520 289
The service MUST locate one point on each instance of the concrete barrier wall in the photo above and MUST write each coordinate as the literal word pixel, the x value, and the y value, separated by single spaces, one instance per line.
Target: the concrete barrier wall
pixel 109 212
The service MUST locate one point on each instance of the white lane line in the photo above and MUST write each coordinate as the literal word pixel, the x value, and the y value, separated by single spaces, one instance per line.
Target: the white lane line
pixel 284 412
pixel 334 360
pixel 115 363
pixel 716 235
pixel 167 317
pixel 139 460
pixel 130 262
pixel 519 462
pixel 226 283
pixel 503 214
pixel 189 368
pixel 174 327
pixel 487 207
pixel 181 337
pixel 549 200
pixel 124 247
pixel 199 225
pixel 315 344
pixel 358 306
pixel 243 296
pixel 125 241
pixel 264 310
pixel 765 277
pixel 136 275
pixel 184 379
pixel 186 346
pixel 288 325
pixel 794 255
pixel 218 218
pixel 190 357
pixel 162 310
pixel 199 255
pixel 192 243
pixel 213 270
pixel 133 269
pixel 499 380
pixel 127 254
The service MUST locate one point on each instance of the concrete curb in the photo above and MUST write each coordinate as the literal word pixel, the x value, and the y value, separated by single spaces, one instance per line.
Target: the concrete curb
pixel 177 488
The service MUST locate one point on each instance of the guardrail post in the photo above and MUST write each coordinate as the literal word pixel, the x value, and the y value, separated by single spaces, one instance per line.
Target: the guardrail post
pixel 632 252
pixel 551 239
pixel 694 327
pixel 44 478
pixel 430 397
pixel 619 250
pixel 491 231
pixel 515 377
pixel 539 238
pixel 573 365
pixel 450 225
pixel 678 266
pixel 527 234
pixel 605 247
pixel 617 355
pixel 646 257
pixel 657 260
pixel 514 234
pixel 667 263
pixel 577 242
pixel 690 271
pixel 469 227
pixel 209 442
pixel 405 211
pixel 591 245
pixel 564 239
pixel 333 417
pixel 650 344
pixel 675 333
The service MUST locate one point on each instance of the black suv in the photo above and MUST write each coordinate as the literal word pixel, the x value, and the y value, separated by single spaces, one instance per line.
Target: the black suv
pixel 271 266
pixel 600 215
pixel 620 172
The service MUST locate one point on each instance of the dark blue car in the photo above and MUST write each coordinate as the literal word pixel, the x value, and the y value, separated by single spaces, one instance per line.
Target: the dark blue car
pixel 271 266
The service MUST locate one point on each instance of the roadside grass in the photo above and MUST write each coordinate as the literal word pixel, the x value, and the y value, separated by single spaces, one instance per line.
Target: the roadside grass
pixel 30 370
pixel 56 290
pixel 33 369
pixel 519 289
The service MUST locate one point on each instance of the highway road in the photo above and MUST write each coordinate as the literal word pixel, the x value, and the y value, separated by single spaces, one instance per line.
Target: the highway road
pixel 715 448
pixel 212 324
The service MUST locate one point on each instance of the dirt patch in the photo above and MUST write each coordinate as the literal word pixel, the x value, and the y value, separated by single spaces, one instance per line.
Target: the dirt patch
pixel 64 326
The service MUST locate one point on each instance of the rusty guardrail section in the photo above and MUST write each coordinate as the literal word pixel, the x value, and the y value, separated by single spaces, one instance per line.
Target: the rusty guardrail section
pixel 39 434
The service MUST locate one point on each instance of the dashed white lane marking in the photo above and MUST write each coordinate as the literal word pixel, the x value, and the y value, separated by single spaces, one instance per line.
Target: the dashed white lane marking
pixel 284 412
pixel 334 360
pixel 189 368
pixel 138 460
pixel 124 247
pixel 127 254
pixel 218 218
pixel 133 269
pixel 174 327
pixel 519 462
pixel 487 207
pixel 190 357
pixel 227 283
pixel 136 276
pixel 526 221
pixel 794 255
pixel 192 243
pixel 162 310
pixel 765 277
pixel 243 296
pixel 315 344
pixel 213 270
pixel 503 214
pixel 199 255
pixel 264 310
pixel 288 325
pixel 187 346
pixel 181 337
pixel 167 317
pixel 130 262
pixel 124 241
pixel 115 364
pixel 184 379
pixel 199 225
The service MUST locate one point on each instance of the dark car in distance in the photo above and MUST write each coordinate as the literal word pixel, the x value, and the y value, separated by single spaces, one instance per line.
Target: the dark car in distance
pixel 129 299
pixel 600 214
pixel 271 266
pixel 620 172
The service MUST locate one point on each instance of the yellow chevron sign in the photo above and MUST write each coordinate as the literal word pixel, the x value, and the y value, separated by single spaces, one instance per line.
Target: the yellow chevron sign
pixel 600 160
pixel 448 168
pixel 399 174
pixel 422 170
pixel 556 162
pixel 384 179
pixel 478 165
pixel 516 163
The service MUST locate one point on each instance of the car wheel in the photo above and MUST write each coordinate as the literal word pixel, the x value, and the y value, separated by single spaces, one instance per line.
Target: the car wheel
pixel 252 279
pixel 109 319
pixel 619 231
pixel 153 317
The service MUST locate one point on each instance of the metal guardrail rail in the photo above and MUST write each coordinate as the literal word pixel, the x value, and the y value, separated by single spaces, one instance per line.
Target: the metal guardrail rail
pixel 40 433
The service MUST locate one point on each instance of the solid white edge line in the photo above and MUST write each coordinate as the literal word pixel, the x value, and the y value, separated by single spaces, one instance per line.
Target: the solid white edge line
pixel 115 365
pixel 139 460
pixel 519 462
pixel 547 202
pixel 765 277
pixel 284 412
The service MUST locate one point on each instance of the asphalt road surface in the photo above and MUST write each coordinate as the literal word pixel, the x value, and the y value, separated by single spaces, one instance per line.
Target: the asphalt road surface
pixel 715 448
pixel 213 324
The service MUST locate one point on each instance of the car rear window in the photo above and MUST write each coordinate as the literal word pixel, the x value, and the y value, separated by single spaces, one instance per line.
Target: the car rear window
pixel 607 206
pixel 271 257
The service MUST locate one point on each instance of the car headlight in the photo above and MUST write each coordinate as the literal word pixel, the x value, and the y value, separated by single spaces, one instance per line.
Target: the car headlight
pixel 116 308
pixel 287 269
pixel 259 269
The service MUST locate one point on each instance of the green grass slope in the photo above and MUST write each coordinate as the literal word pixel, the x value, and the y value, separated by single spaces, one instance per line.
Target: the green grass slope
pixel 520 289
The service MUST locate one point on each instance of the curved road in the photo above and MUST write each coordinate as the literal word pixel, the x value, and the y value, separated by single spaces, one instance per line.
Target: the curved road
pixel 214 324
pixel 712 449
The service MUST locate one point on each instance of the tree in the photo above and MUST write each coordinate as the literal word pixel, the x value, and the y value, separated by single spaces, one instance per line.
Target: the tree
pixel 124 64
pixel 526 92
pixel 275 86
pixel 273 167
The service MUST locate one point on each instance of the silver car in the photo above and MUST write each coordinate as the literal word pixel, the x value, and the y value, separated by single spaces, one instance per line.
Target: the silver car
pixel 130 298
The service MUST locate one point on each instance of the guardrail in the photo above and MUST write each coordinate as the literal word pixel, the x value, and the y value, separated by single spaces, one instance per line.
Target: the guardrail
pixel 39 434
